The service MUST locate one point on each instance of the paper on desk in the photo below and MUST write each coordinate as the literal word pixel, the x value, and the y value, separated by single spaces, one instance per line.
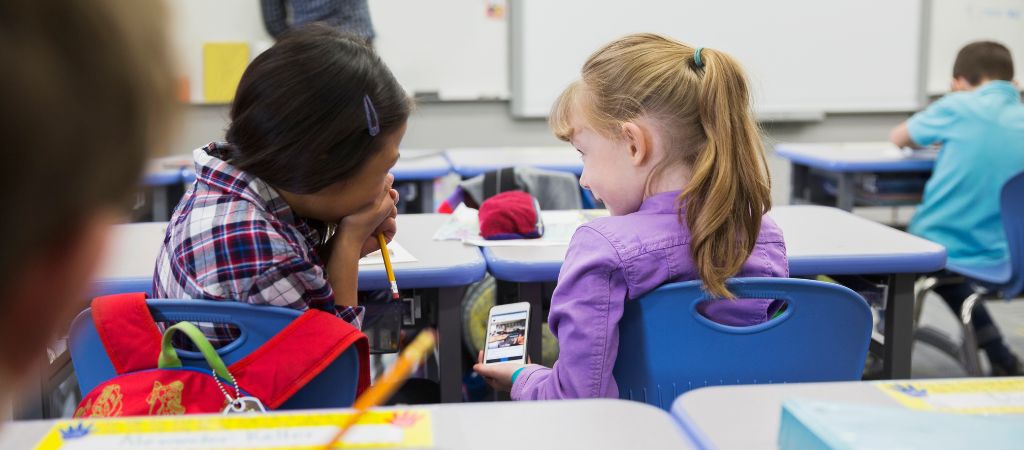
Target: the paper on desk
pixel 279 431
pixel 968 396
pixel 559 227
pixel 462 224
pixel 398 255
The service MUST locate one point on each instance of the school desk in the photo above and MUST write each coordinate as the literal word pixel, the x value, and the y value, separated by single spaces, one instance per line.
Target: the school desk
pixel 166 177
pixel 590 424
pixel 747 417
pixel 417 166
pixel 421 167
pixel 843 163
pixel 447 266
pixel 819 240
pixel 470 162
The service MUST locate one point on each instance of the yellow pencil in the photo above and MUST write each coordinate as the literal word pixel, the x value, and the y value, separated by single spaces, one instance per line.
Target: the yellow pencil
pixel 387 265
pixel 386 386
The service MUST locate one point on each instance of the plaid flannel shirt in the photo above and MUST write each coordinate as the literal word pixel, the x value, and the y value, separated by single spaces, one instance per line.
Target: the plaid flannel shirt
pixel 234 238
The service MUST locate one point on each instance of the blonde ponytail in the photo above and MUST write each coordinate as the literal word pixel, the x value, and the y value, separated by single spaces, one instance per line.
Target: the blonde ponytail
pixel 703 108
pixel 729 190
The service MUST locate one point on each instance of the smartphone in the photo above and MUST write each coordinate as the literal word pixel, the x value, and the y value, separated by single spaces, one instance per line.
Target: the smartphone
pixel 507 326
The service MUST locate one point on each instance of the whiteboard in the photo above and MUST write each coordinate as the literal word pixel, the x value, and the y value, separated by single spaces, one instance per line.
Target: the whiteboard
pixel 454 48
pixel 955 23
pixel 803 57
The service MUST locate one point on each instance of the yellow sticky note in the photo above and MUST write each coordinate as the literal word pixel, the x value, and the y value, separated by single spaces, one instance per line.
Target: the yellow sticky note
pixel 223 64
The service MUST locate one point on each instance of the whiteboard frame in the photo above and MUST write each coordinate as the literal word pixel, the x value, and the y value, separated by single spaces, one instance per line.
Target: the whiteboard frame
pixel 518 107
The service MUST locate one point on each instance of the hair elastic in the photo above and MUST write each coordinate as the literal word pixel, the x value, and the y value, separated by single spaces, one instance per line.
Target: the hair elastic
pixel 696 57
pixel 372 121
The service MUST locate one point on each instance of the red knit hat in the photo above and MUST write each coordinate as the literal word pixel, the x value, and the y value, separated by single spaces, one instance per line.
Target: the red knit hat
pixel 511 215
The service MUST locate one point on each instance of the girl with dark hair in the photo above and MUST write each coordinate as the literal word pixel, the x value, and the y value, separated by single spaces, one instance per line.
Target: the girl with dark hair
pixel 282 211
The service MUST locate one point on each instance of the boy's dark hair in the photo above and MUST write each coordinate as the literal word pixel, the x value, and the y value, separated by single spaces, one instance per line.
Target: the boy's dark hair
pixel 299 121
pixel 983 59
pixel 86 90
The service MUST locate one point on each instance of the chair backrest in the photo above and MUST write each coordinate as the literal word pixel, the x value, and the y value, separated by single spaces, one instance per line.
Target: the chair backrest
pixel 1011 206
pixel 335 387
pixel 666 347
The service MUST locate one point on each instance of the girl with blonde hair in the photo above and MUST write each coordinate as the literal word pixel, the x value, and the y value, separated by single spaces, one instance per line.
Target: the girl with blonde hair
pixel 669 145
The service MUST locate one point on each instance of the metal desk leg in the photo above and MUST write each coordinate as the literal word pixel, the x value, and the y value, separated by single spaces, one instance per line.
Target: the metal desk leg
pixel 533 293
pixel 449 327
pixel 31 402
pixel 899 326
pixel 799 177
pixel 160 203
pixel 845 194
pixel 426 196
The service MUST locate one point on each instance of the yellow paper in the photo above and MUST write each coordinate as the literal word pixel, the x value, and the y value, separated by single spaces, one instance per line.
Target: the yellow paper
pixel 277 431
pixel 969 396
pixel 223 64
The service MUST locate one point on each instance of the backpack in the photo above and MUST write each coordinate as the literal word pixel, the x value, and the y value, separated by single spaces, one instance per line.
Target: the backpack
pixel 151 379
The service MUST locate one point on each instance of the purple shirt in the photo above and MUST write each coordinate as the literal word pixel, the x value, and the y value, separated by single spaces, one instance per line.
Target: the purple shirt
pixel 615 259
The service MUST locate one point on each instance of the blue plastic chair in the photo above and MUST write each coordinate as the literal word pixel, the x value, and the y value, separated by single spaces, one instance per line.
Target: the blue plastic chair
pixel 666 347
pixel 335 387
pixel 1001 280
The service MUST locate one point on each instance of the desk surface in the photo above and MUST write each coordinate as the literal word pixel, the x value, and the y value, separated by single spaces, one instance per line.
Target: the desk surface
pixel 168 170
pixel 413 165
pixel 857 157
pixel 421 164
pixel 819 240
pixel 440 263
pixel 470 162
pixel 590 424
pixel 132 255
pixel 747 417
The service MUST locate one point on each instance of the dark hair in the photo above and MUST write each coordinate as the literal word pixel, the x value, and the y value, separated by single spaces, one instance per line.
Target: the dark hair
pixel 299 121
pixel 984 59
pixel 87 92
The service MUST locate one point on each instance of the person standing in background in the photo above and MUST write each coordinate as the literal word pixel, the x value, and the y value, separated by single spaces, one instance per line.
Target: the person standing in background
pixel 348 16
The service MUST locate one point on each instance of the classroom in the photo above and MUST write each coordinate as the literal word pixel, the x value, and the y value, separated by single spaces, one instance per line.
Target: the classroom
pixel 491 224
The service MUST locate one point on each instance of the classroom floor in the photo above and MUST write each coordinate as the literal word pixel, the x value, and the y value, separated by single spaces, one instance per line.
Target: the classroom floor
pixel 931 363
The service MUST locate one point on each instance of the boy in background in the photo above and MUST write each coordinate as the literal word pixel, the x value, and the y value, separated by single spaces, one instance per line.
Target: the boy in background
pixel 980 126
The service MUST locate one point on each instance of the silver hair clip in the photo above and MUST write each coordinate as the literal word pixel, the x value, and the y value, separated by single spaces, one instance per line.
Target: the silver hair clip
pixel 372 121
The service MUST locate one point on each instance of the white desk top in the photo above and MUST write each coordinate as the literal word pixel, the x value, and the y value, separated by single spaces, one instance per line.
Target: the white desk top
pixel 857 156
pixel 132 250
pixel 566 424
pixel 171 162
pixel 421 164
pixel 469 162
pixel 414 164
pixel 747 417
pixel 131 257
pixel 819 240
pixel 439 263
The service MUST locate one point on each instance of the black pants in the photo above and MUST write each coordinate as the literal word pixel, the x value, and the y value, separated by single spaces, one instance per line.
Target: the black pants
pixel 989 337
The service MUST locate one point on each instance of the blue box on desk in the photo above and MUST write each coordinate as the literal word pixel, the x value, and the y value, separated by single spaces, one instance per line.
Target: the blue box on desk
pixel 816 425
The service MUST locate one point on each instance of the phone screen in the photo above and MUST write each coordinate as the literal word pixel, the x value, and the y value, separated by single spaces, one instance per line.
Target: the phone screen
pixel 506 338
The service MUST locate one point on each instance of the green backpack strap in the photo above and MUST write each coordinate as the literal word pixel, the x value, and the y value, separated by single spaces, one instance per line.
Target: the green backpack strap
pixel 169 356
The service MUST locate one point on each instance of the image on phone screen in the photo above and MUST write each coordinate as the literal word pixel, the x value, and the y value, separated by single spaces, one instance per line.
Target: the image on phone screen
pixel 506 337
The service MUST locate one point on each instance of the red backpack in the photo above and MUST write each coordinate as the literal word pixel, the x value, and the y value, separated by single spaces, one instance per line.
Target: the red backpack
pixel 152 381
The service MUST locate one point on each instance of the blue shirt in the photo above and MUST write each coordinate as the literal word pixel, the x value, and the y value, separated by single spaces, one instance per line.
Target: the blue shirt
pixel 982 137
